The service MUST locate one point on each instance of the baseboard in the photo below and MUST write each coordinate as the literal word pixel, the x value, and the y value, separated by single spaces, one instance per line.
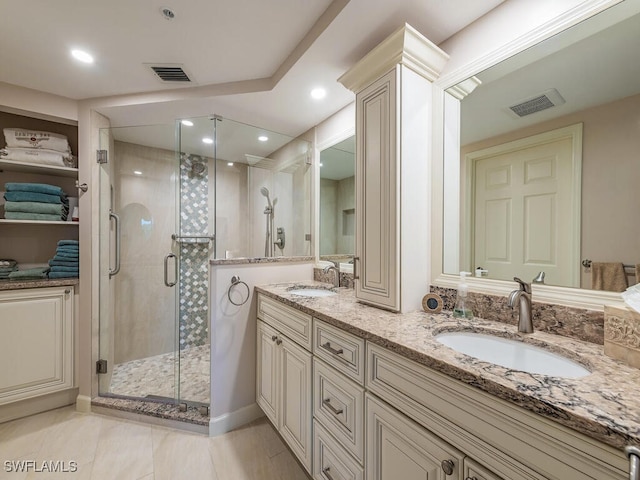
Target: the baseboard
pixel 31 406
pixel 83 404
pixel 230 421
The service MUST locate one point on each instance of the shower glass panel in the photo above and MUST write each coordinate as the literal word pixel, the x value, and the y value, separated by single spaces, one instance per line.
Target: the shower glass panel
pixel 263 191
pixel 147 275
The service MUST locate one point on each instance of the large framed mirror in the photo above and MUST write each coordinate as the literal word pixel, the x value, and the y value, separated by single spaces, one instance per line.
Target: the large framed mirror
pixel 541 166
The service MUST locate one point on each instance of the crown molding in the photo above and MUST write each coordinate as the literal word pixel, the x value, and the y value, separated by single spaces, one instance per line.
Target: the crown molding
pixel 406 46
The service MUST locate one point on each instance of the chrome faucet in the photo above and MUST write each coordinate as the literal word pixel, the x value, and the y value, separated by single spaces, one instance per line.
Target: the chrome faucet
pixel 336 277
pixel 523 296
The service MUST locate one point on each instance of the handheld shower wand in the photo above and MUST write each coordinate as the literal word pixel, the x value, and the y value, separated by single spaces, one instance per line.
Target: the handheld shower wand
pixel 268 211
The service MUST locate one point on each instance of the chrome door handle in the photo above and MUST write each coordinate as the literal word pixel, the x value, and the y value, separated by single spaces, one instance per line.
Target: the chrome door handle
pixel 166 270
pixel 633 453
pixel 327 403
pixel 326 473
pixel 116 269
pixel 327 346
pixel 355 261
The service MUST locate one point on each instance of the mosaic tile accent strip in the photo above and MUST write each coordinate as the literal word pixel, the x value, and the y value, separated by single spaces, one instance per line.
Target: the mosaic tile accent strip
pixel 194 257
pixel 587 325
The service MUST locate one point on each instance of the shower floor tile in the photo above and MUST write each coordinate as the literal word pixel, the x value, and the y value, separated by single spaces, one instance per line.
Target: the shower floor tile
pixel 156 376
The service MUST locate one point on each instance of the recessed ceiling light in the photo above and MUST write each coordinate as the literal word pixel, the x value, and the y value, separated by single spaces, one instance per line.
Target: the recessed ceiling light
pixel 207 140
pixel 229 164
pixel 82 56
pixel 318 93
pixel 187 123
pixel 167 13
pixel 137 172
pixel 263 138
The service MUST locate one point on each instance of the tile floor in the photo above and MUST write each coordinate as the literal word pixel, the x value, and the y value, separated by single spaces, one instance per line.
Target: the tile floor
pixel 105 448
pixel 156 375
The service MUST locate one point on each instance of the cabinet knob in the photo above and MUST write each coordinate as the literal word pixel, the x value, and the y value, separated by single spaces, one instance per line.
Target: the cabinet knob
pixel 278 341
pixel 274 338
pixel 67 291
pixel 447 466
pixel 471 478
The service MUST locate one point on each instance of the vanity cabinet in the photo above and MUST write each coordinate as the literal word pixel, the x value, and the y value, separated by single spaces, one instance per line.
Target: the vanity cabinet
pixel 36 342
pixel 284 375
pixel 399 448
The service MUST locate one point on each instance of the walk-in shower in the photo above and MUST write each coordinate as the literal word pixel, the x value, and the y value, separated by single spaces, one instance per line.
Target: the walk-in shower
pixel 183 202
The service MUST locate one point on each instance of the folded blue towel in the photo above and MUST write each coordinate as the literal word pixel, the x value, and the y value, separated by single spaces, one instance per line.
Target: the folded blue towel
pixel 38 272
pixel 63 263
pixel 68 248
pixel 63 275
pixel 66 255
pixel 60 268
pixel 68 242
pixel 43 217
pixel 34 187
pixel 58 258
pixel 37 207
pixel 35 197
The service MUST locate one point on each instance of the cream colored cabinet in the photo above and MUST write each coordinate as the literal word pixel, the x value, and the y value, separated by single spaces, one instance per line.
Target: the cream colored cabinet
pixel 393 111
pixel 474 471
pixel 399 448
pixel 36 342
pixel 284 376
pixel 377 251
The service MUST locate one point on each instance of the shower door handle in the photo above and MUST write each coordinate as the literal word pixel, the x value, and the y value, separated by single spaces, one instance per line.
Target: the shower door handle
pixel 116 269
pixel 166 270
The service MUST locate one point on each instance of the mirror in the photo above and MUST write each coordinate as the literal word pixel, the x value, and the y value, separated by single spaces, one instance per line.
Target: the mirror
pixel 337 201
pixel 499 214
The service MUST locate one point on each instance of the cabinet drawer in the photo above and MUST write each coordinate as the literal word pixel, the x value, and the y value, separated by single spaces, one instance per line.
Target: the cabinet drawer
pixel 291 322
pixel 340 349
pixel 473 471
pixel 330 461
pixel 338 403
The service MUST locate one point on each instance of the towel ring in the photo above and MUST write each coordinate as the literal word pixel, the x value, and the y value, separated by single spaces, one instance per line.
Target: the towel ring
pixel 235 281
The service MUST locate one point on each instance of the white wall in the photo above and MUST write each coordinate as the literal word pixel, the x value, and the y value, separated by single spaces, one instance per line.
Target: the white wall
pixel 233 337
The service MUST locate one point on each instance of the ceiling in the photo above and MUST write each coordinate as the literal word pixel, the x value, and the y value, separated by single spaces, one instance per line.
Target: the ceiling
pixel 590 64
pixel 249 60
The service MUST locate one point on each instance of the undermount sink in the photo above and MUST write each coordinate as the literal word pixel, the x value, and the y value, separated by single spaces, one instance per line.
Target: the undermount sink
pixel 512 354
pixel 311 292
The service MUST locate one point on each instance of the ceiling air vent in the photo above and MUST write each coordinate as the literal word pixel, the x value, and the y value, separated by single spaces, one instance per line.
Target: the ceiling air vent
pixel 548 99
pixel 170 73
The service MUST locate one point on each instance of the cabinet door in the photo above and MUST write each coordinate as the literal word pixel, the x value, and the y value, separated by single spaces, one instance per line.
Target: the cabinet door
pixel 399 448
pixel 376 186
pixel 36 342
pixel 295 405
pixel 267 371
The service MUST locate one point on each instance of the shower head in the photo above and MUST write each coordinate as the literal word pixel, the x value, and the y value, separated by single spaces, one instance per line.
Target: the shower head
pixel 264 191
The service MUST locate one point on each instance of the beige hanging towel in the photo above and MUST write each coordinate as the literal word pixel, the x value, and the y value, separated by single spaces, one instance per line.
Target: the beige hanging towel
pixel 608 276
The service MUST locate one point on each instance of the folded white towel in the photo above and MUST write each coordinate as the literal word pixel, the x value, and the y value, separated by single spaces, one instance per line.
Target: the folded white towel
pixel 39 156
pixel 20 137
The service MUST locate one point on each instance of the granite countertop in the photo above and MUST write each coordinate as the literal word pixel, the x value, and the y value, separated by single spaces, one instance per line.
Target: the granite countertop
pixel 39 283
pixel 604 405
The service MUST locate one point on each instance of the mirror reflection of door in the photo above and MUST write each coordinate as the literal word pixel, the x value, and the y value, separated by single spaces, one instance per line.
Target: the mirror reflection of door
pixel 337 200
pixel 526 203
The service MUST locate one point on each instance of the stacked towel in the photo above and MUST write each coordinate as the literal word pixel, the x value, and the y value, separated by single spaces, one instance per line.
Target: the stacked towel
pixel 35 201
pixel 66 262
pixel 29 274
pixel 6 267
pixel 33 146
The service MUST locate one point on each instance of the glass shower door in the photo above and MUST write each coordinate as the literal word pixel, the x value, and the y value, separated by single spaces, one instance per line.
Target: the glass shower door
pixel 139 263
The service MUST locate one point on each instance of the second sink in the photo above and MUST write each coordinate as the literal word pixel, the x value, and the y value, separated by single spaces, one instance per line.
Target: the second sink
pixel 512 354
